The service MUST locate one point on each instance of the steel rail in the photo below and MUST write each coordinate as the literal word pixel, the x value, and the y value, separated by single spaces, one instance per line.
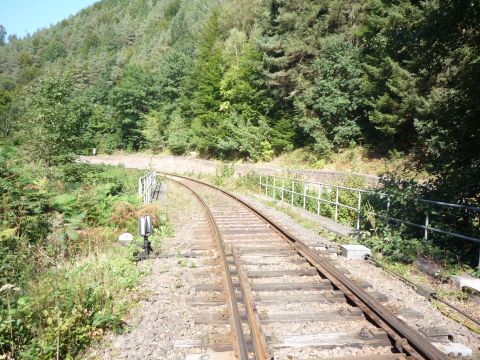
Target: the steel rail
pixel 406 339
pixel 258 338
pixel 235 319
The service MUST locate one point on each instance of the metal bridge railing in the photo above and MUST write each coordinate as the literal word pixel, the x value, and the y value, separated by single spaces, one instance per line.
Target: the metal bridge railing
pixel 147 185
pixel 306 192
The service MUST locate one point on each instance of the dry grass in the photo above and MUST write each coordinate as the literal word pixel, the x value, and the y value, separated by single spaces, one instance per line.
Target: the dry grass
pixel 359 160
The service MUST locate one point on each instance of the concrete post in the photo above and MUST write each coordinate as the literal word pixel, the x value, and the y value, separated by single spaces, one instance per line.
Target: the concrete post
pixel 304 193
pixel 319 198
pixel 274 188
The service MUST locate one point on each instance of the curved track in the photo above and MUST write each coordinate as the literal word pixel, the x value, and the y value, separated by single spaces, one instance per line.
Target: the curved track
pixel 286 300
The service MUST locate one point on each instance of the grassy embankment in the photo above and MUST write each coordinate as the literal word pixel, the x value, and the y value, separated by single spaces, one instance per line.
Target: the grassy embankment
pixel 64 280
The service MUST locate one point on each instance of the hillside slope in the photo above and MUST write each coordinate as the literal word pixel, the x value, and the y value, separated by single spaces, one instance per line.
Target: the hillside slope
pixel 252 78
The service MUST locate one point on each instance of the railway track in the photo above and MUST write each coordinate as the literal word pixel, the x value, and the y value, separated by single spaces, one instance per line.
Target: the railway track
pixel 285 299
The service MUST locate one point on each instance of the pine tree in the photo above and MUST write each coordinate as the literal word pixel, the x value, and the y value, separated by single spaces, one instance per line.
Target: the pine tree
pixel 204 85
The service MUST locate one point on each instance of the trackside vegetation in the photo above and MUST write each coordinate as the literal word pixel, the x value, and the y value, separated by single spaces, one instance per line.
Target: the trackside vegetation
pixel 63 279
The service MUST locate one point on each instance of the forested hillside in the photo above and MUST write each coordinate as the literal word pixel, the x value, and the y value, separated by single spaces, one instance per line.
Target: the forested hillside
pixel 252 78
pixel 228 79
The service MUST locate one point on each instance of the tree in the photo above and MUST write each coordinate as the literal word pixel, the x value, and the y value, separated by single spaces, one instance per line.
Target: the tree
pixel 338 92
pixel 245 126
pixel 204 85
pixel 133 96
pixel 448 123
pixel 388 39
pixel 3 35
pixel 55 120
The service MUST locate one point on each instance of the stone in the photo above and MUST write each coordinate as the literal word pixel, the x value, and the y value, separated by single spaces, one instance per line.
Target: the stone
pixel 455 349
pixel 425 290
pixel 437 334
pixel 125 239
pixel 228 355
pixel 427 266
pixel 465 281
pixel 409 313
pixel 355 252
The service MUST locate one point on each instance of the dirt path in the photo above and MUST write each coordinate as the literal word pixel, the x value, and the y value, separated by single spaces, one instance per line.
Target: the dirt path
pixel 185 165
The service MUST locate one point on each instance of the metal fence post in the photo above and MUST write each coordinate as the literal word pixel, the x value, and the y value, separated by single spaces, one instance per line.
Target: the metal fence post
pixel 359 209
pixel 318 199
pixel 425 234
pixel 336 204
pixel 260 183
pixel 274 188
pixel 304 193
pixel 293 190
pixel 266 186
pixel 388 207
pixel 283 187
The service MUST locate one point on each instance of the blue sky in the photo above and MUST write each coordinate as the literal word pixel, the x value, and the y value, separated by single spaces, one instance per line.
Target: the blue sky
pixel 27 16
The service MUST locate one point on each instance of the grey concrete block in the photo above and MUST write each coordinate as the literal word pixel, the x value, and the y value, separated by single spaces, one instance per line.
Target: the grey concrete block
pixel 437 334
pixel 465 281
pixel 455 349
pixel 355 252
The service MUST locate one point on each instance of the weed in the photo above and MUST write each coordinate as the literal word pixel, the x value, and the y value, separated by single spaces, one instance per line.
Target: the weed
pixel 223 172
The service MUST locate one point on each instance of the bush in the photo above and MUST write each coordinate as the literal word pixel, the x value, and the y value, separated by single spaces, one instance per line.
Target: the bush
pixel 223 172
pixel 50 221
pixel 77 304
pixel 393 245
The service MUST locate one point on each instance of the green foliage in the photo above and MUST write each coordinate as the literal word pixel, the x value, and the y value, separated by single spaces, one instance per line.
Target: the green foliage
pixel 394 245
pixel 154 130
pixel 61 281
pixel 223 172
pixel 338 92
pixel 55 121
pixel 132 97
pixel 178 134
pixel 77 305
pixel 3 34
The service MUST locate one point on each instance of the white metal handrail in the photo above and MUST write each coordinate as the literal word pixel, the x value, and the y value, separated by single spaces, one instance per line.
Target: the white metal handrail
pixel 277 183
pixel 147 185
pixel 321 188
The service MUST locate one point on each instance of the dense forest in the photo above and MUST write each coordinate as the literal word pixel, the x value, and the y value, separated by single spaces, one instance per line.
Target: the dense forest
pixel 253 78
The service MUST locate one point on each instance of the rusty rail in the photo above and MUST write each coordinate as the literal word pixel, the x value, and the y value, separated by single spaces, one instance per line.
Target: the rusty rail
pixel 406 339
pixel 240 345
pixel 258 338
